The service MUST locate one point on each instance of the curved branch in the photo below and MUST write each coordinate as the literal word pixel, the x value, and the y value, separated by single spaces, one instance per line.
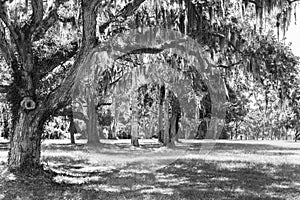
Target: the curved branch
pixel 37 14
pixel 7 51
pixel 45 24
pixel 89 41
pixel 4 48
pixel 14 30
pixel 49 20
pixel 127 11
pixel 291 1
pixel 48 64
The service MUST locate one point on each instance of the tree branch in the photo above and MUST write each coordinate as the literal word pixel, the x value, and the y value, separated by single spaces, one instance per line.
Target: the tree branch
pixel 4 47
pixel 229 66
pixel 60 57
pixel 87 50
pixel 142 51
pixel 291 1
pixel 127 11
pixel 37 14
pixel 46 23
pixel 68 112
pixel 7 51
pixel 14 31
pixel 51 18
pixel 115 81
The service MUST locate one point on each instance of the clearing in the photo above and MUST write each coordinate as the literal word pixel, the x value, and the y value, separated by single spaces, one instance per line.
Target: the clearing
pixel 195 169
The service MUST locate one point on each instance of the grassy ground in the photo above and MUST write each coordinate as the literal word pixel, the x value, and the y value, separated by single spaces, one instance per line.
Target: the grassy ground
pixel 193 170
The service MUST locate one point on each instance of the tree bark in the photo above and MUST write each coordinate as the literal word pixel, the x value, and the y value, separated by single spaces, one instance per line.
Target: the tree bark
pixel 160 114
pixel 93 138
pixel 25 141
pixel 172 130
pixel 116 117
pixel 166 121
pixel 134 122
pixel 72 128
pixel 160 121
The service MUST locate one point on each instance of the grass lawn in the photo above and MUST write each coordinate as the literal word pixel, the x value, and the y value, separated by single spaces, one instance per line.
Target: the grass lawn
pixel 193 170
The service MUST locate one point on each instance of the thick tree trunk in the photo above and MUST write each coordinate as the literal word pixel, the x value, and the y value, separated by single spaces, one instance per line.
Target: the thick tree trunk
pixel 25 142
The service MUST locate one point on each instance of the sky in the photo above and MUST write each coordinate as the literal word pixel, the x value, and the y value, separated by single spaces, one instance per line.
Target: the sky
pixel 293 35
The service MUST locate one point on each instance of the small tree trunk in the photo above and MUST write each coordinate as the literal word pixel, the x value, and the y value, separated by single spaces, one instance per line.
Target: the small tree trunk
pixel 160 114
pixel 134 123
pixel 93 138
pixel 160 123
pixel 134 133
pixel 25 141
pixel 166 121
pixel 72 128
pixel 172 132
pixel 177 129
pixel 101 134
pixel 236 130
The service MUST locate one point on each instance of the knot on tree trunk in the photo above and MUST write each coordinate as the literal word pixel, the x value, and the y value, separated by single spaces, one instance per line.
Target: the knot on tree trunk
pixel 28 103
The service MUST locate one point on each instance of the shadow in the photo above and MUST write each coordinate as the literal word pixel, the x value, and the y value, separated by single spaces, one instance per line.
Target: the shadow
pixel 64 160
pixel 79 178
pixel 234 180
pixel 184 179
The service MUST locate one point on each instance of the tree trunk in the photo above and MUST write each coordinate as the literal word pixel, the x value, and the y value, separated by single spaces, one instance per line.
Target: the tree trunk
pixel 160 123
pixel 25 141
pixel 166 121
pixel 236 130
pixel 172 130
pixel 160 114
pixel 116 117
pixel 134 112
pixel 93 138
pixel 134 132
pixel 72 128
pixel 101 134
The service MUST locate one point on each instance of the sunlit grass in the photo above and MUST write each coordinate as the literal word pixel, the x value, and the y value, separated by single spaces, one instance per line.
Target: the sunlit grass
pixel 229 170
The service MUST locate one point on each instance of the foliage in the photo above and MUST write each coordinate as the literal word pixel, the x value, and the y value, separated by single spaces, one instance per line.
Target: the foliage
pixel 105 117
pixel 56 128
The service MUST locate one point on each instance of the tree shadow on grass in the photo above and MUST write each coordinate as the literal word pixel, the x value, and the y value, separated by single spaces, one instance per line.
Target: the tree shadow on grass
pixel 183 179
pixel 236 180
pixel 109 149
pixel 77 178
